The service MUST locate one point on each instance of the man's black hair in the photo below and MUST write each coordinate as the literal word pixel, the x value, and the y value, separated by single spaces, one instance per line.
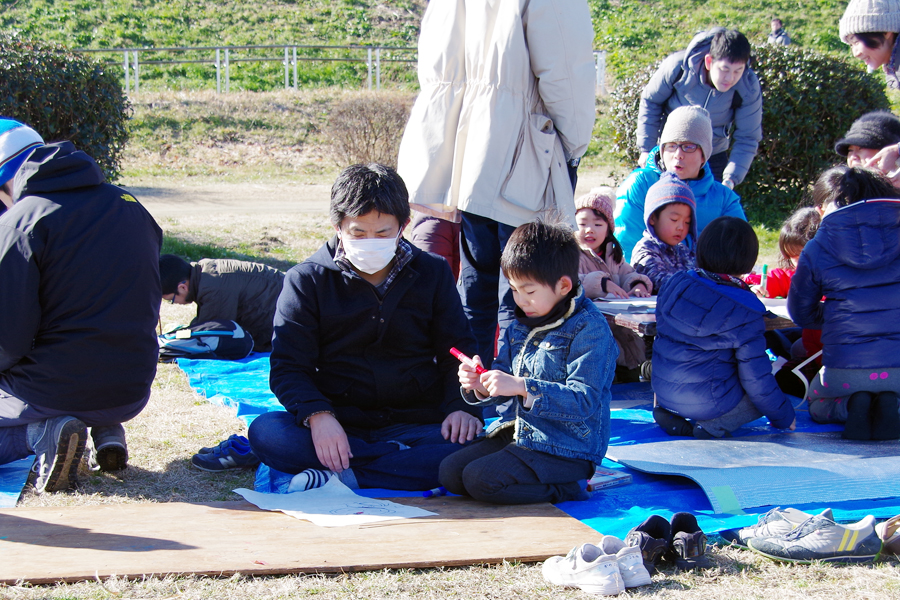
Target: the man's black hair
pixel 360 189
pixel 845 185
pixel 727 246
pixel 731 45
pixel 172 271
pixel 542 252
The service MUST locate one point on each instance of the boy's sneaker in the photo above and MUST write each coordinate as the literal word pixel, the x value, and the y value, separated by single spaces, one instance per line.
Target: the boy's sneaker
pixel 110 448
pixel 688 543
pixel 820 538
pixel 233 438
pixel 588 568
pixel 225 456
pixel 631 565
pixel 58 453
pixel 653 537
pixel 889 532
pixel 776 522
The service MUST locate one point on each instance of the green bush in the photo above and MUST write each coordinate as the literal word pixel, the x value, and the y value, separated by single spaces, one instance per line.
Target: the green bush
pixel 809 101
pixel 64 97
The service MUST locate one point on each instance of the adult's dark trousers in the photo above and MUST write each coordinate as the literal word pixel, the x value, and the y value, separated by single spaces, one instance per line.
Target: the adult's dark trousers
pixel 717 163
pixel 405 456
pixel 16 414
pixel 483 289
pixel 496 470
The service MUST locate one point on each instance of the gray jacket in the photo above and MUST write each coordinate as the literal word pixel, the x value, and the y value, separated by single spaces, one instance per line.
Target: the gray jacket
pixel 679 82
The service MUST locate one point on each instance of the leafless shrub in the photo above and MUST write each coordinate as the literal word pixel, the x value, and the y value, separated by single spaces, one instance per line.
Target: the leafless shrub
pixel 367 127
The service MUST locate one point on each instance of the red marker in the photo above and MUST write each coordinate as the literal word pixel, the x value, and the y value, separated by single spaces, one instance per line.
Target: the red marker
pixel 467 361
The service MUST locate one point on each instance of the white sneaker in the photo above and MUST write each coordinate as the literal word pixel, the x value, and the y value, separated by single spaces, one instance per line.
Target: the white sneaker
pixel 586 567
pixel 631 564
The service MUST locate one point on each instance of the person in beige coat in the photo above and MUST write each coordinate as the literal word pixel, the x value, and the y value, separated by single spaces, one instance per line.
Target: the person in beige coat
pixel 505 112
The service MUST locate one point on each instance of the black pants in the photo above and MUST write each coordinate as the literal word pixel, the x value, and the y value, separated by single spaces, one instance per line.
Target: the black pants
pixel 496 470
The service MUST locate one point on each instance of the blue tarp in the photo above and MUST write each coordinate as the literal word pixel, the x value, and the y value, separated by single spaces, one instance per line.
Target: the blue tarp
pixel 243 386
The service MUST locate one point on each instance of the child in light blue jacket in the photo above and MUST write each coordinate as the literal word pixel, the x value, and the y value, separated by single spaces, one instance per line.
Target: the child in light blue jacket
pixel 551 381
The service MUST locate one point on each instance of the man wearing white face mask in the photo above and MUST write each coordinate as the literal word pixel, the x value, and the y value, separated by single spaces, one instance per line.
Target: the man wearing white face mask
pixel 361 352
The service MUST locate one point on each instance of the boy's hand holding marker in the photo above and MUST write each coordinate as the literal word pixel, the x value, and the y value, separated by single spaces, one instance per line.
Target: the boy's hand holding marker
pixel 473 377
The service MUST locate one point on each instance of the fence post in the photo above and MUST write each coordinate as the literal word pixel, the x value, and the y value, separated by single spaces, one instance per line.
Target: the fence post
pixel 287 66
pixel 137 72
pixel 127 74
pixel 295 68
pixel 600 56
pixel 369 67
pixel 378 69
pixel 218 73
pixel 227 72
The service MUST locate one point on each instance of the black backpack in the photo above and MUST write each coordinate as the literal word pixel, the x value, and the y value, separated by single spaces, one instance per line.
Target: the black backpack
pixel 223 340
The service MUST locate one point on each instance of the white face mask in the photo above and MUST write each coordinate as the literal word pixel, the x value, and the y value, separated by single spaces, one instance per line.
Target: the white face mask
pixel 370 255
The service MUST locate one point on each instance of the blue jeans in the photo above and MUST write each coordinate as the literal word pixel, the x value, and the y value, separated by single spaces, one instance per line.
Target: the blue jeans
pixel 483 289
pixel 378 460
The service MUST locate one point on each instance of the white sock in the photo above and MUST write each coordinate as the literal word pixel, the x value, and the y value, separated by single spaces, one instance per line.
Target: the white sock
pixel 309 479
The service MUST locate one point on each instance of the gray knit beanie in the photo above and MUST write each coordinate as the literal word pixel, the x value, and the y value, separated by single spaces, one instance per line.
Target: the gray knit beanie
pixel 872 130
pixel 870 16
pixel 689 124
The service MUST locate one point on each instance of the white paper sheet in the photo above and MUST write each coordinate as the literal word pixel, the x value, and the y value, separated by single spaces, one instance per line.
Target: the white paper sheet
pixel 332 505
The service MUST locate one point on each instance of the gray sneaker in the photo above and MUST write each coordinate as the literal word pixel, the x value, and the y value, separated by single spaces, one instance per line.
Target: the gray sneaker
pixel 110 448
pixel 776 522
pixel 821 539
pixel 58 453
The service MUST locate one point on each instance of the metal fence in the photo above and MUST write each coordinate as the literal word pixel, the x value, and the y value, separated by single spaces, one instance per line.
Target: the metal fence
pixel 223 56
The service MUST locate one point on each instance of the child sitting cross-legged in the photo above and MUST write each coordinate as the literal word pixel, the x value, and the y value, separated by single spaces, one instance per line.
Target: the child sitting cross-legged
pixel 711 374
pixel 551 382
pixel 670 217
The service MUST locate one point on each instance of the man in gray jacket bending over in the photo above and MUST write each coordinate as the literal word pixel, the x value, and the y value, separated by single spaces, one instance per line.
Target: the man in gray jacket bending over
pixel 713 73
pixel 224 289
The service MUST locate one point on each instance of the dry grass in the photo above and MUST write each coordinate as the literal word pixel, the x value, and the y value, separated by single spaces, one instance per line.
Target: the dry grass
pixel 177 422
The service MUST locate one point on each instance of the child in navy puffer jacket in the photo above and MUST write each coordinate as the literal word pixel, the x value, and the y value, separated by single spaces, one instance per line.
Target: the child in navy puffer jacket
pixel 709 357
pixel 854 262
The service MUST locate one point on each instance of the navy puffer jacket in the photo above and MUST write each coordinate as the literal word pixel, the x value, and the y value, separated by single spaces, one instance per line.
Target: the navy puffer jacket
pixel 710 351
pixel 854 261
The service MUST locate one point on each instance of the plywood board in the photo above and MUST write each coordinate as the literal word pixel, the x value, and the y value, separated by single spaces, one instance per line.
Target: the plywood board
pixel 46 545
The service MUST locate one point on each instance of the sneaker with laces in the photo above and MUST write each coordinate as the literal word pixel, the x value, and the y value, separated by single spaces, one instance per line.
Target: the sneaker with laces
pixel 234 438
pixel 588 568
pixel 774 523
pixel 110 448
pixel 225 456
pixel 631 564
pixel 653 537
pixel 821 539
pixel 58 453
pixel 688 550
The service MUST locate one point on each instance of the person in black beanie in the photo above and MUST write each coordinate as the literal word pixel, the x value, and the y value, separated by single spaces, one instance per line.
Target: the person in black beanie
pixel 867 135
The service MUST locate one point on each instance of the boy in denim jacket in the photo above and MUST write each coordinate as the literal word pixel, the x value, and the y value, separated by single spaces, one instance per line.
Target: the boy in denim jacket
pixel 551 382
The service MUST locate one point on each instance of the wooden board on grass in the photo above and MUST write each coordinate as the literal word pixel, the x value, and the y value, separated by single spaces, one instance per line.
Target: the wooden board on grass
pixel 50 544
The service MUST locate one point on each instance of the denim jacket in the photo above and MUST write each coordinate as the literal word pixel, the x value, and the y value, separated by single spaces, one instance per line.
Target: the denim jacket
pixel 568 368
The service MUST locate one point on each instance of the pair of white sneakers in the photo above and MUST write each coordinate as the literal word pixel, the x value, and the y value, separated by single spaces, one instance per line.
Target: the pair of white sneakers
pixel 606 568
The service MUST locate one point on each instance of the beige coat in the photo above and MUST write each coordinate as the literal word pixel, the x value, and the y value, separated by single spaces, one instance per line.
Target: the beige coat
pixel 507 96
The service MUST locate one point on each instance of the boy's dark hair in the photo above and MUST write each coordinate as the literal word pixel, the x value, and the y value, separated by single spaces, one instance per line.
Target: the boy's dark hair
pixel 845 185
pixel 731 45
pixel 872 39
pixel 360 189
pixel 617 254
pixel 172 271
pixel 796 231
pixel 727 246
pixel 542 252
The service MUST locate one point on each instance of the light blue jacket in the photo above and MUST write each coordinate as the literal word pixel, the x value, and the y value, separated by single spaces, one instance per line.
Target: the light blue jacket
pixel 568 369
pixel 713 200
